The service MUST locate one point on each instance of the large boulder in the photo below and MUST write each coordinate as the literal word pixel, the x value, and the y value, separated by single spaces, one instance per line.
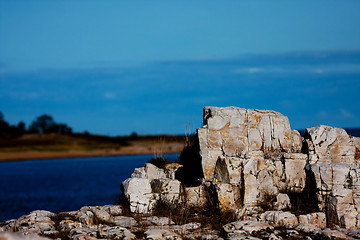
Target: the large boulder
pixel 139 194
pixel 329 145
pixel 149 184
pixel 337 191
pixel 229 131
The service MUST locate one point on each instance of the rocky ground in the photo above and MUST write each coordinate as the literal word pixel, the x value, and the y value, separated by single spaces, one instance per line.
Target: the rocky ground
pixel 112 222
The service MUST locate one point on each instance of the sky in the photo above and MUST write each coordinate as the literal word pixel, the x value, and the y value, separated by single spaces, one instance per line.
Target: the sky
pixel 115 67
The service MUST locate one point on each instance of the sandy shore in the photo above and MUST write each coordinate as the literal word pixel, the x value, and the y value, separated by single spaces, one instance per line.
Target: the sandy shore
pixel 128 150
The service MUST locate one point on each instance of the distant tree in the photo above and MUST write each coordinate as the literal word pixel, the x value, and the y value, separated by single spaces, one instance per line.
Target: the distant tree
pixel 134 135
pixel 46 124
pixel 21 128
pixel 60 128
pixel 4 126
pixel 10 131
pixel 42 124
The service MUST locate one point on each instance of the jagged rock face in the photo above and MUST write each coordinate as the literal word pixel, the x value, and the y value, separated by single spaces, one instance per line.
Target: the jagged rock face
pixel 255 178
pixel 149 184
pixel 337 192
pixel 230 131
pixel 329 145
pixel 252 161
pixel 318 219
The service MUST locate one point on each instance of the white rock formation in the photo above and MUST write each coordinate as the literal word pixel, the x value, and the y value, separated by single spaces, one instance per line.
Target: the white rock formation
pixel 230 131
pixel 149 184
pixel 329 145
pixel 252 161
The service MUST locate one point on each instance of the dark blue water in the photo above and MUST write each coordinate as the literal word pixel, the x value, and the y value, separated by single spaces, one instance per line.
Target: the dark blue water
pixel 63 184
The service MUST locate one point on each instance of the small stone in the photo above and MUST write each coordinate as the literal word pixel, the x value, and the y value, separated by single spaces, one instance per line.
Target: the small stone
pixel 279 218
pixel 317 219
pixel 114 210
pixel 86 217
pixel 123 221
pixel 333 234
pixel 159 234
pixel 158 221
pixel 249 227
pixel 116 232
pixel 20 236
pixel 308 228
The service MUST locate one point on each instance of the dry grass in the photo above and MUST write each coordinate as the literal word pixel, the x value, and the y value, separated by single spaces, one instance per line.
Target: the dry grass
pixel 209 215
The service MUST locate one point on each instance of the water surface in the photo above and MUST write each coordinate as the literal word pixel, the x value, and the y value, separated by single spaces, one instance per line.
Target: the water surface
pixel 63 184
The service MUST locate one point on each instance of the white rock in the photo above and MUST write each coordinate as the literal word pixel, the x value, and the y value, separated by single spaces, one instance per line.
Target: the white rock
pixel 153 172
pixel 67 225
pixel 20 236
pixel 195 196
pixel 139 173
pixel 308 228
pixel 295 171
pixel 228 170
pixel 158 221
pixel 100 215
pixel 279 218
pixel 115 232
pixel 124 221
pixel 168 190
pixel 246 227
pixel 329 145
pixel 86 217
pixel 333 234
pixel 228 196
pixel 229 131
pixel 318 219
pixel 338 187
pixel 139 194
pixel 114 210
pixel 159 234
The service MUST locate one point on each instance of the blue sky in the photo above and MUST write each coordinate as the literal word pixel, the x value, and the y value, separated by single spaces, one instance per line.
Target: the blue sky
pixel 114 67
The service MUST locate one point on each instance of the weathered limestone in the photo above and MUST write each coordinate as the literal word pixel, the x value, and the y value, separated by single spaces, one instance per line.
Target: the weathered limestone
pixel 279 218
pixel 149 184
pixel 317 219
pixel 329 145
pixel 230 131
pixel 139 194
pixel 295 171
pixel 245 227
pixel 252 161
pixel 337 191
pixel 196 196
pixel 19 236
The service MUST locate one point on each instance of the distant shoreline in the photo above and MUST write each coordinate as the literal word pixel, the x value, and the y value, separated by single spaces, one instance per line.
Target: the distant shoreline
pixel 129 150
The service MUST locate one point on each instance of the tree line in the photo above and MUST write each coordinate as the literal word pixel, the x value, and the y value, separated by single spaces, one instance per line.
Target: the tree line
pixel 42 124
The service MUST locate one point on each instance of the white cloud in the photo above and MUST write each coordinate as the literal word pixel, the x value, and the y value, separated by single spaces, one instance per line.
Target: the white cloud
pixel 254 70
pixel 323 114
pixel 110 95
pixel 345 113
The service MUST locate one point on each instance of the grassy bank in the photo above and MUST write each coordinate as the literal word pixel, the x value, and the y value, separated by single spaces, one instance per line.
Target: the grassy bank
pixel 32 146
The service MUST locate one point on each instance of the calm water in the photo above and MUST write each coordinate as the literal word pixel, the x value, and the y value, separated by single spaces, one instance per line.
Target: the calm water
pixel 63 184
